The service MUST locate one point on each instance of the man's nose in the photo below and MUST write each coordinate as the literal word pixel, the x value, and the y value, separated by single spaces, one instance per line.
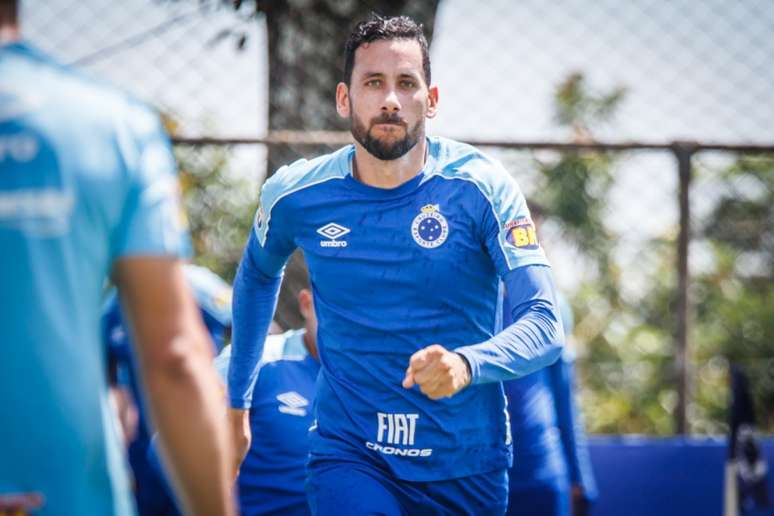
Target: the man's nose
pixel 391 102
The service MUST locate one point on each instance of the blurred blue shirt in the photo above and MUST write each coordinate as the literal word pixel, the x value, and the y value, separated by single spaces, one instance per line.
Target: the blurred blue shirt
pixel 213 296
pixel 271 479
pixel 550 449
pixel 87 177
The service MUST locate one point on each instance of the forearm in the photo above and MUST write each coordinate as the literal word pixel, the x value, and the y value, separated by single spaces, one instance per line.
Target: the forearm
pixel 197 446
pixel 182 389
pixel 532 341
pixel 570 421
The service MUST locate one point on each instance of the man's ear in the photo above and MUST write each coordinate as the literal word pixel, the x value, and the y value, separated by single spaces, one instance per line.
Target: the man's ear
pixel 305 302
pixel 432 101
pixel 342 100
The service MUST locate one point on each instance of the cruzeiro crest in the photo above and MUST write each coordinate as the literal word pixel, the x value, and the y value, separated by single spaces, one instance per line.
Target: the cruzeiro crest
pixel 430 228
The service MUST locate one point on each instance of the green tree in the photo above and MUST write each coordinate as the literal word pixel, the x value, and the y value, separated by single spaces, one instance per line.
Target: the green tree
pixel 626 373
pixel 733 295
pixel 219 205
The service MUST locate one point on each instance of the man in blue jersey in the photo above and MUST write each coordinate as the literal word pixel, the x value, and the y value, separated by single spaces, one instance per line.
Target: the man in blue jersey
pixel 213 297
pixel 406 237
pixel 271 478
pixel 86 189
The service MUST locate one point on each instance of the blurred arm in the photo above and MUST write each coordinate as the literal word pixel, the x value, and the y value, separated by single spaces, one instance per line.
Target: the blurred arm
pixel 573 436
pixel 176 363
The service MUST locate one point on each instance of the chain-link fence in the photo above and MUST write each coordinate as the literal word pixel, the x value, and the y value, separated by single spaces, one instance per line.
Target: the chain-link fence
pixel 664 250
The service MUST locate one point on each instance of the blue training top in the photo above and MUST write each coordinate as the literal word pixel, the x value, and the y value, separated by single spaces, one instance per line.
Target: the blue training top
pixel 271 479
pixel 393 271
pixel 212 295
pixel 87 177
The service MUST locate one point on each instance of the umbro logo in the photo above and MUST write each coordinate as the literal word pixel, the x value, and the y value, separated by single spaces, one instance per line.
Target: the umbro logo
pixel 333 232
pixel 292 403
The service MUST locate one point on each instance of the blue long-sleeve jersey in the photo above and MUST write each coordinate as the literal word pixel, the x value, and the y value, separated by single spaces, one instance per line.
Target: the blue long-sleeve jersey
pixel 393 271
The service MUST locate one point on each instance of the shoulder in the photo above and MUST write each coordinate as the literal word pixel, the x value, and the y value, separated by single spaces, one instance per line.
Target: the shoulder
pixel 212 293
pixel 110 304
pixel 461 161
pixel 222 362
pixel 304 174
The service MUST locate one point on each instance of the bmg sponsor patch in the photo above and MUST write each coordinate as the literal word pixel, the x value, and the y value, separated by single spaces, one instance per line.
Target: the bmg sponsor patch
pixel 521 234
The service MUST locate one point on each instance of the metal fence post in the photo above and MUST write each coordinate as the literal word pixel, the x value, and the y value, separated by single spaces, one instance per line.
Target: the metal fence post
pixel 683 152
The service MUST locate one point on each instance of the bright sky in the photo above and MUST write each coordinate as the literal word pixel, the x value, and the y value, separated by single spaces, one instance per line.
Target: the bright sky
pixel 693 70
pixel 699 70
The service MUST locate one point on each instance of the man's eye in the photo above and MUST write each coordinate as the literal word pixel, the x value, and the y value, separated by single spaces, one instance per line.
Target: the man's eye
pixel 408 84
pixel 374 82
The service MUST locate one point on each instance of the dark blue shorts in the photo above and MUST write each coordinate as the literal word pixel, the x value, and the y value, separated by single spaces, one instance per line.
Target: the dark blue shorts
pixel 340 487
pixel 539 498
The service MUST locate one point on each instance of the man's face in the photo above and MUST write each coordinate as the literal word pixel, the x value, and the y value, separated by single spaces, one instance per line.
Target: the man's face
pixel 388 99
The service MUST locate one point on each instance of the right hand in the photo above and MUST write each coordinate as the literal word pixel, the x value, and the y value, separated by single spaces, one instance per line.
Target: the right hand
pixel 240 430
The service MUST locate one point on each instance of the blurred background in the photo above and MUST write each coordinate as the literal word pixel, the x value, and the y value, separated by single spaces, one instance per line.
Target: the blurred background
pixel 644 129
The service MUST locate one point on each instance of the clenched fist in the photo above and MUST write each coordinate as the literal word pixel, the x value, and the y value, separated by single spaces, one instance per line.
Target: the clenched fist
pixel 438 372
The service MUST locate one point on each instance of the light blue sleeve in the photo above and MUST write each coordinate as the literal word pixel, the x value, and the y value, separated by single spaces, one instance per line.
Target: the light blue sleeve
pixel 508 232
pixel 151 222
pixel 533 340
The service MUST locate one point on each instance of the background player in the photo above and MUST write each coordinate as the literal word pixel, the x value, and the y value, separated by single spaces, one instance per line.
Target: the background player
pixel 213 297
pixel 405 237
pixel 88 187
pixel 271 478
pixel 551 473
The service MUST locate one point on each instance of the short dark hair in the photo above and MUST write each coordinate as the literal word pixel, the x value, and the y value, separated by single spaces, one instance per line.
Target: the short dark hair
pixel 377 28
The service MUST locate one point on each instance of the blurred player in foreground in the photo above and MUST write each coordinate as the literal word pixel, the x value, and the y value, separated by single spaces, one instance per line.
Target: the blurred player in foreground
pixel 405 237
pixel 213 297
pixel 88 188
pixel 271 478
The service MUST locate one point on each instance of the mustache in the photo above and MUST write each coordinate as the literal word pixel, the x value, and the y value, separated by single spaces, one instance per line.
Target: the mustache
pixel 388 118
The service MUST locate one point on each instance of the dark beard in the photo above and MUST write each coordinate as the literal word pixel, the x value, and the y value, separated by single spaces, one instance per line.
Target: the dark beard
pixel 380 149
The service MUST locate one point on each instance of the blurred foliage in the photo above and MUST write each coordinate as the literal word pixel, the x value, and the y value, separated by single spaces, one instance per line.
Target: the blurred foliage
pixel 219 204
pixel 733 294
pixel 627 352
pixel 220 207
pixel 627 367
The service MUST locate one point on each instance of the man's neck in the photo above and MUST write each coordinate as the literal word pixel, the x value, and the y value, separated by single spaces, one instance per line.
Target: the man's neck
pixel 9 24
pixel 388 174
pixel 310 343
pixel 9 32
